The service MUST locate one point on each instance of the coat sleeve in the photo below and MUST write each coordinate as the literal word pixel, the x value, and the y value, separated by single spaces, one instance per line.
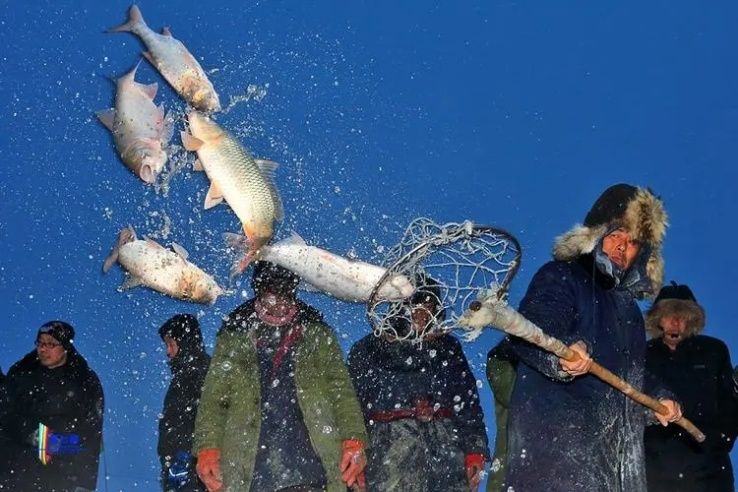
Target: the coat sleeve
pixel 215 400
pixel 359 371
pixel 347 411
pixel 550 303
pixel 89 426
pixel 469 415
pixel 727 404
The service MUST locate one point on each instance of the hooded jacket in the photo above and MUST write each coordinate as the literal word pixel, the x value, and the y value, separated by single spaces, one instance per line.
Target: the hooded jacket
pixel 579 433
pixel 189 367
pixel 699 372
pixel 67 399
pixel 229 416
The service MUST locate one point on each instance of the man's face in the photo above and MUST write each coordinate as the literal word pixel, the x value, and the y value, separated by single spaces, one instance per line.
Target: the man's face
pixel 621 248
pixel 675 329
pixel 277 304
pixel 172 347
pixel 50 351
pixel 422 316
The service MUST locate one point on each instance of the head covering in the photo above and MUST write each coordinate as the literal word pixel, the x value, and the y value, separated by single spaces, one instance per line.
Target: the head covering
pixel 633 208
pixel 429 293
pixel 60 330
pixel 675 300
pixel 185 330
pixel 269 276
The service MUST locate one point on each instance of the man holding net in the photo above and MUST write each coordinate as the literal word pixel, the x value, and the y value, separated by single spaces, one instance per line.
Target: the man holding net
pixel 420 403
pixel 569 430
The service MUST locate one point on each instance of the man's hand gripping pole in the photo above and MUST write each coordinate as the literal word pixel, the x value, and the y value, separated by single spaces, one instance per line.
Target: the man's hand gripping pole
pixel 492 310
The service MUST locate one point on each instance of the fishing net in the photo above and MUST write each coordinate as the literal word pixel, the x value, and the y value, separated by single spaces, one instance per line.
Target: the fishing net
pixel 450 266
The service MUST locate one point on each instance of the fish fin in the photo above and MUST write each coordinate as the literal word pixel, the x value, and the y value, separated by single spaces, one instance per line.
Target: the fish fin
pixel 126 235
pixel 129 283
pixel 134 19
pixel 190 143
pixel 267 169
pixel 214 196
pixel 240 266
pixel 180 251
pixel 149 57
pixel 153 243
pixel 197 165
pixel 107 118
pixel 149 89
pixel 236 241
pixel 165 31
pixel 294 239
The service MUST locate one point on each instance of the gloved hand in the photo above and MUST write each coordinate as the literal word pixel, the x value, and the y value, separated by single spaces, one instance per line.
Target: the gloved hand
pixel 50 443
pixel 474 464
pixel 208 469
pixel 353 462
pixel 179 470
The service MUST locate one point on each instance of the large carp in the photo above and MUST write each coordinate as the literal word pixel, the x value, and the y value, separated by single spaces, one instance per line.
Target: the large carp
pixel 140 130
pixel 346 279
pixel 247 184
pixel 174 62
pixel 166 271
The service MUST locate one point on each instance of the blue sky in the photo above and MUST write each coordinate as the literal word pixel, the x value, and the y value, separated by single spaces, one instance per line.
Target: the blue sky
pixel 516 114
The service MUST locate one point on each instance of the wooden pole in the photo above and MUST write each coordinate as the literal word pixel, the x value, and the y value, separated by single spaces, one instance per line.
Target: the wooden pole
pixel 499 315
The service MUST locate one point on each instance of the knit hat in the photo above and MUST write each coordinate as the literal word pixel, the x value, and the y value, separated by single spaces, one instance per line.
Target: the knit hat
pixel 181 327
pixel 60 330
pixel 675 300
pixel 635 209
pixel 270 276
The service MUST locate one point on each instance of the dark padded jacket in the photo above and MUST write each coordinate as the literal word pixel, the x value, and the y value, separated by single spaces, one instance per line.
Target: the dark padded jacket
pixel 699 372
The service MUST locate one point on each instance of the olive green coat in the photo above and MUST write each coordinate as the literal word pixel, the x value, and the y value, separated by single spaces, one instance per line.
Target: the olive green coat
pixel 229 416
pixel 501 373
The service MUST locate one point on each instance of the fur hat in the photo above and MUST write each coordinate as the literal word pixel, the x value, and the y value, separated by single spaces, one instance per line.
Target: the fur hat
pixel 675 300
pixel 274 277
pixel 60 330
pixel 634 208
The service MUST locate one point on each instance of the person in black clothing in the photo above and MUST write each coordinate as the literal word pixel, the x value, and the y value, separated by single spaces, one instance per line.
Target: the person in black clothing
pixel 697 369
pixel 420 405
pixel 189 364
pixel 55 416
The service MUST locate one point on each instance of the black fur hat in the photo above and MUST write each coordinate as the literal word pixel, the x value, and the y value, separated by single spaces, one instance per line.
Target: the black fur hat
pixel 60 330
pixel 278 279
pixel 675 300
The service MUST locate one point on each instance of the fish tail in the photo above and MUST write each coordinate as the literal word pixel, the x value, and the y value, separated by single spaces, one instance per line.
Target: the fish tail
pixel 135 21
pixel 125 236
pixel 240 266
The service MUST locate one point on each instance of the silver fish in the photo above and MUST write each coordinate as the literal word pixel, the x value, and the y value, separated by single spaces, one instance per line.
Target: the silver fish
pixel 150 264
pixel 174 62
pixel 140 130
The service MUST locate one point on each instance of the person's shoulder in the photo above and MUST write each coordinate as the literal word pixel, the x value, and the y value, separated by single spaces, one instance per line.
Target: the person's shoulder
pixel 710 343
pixel 28 363
pixel 239 319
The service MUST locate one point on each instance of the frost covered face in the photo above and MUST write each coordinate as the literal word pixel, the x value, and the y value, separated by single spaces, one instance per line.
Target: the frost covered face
pixel 621 247
pixel 423 317
pixel 50 352
pixel 277 304
pixel 675 329
pixel 171 346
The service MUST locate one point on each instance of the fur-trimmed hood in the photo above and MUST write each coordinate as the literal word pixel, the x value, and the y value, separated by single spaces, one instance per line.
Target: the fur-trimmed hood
pixel 683 308
pixel 636 209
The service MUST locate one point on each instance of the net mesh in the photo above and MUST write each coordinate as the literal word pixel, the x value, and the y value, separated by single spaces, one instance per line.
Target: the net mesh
pixel 450 266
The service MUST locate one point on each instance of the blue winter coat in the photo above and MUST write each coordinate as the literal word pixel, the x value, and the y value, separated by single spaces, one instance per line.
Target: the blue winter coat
pixel 578 433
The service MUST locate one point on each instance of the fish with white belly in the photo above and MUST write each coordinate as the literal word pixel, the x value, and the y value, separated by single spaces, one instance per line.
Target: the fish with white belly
pixel 174 62
pixel 140 130
pixel 346 279
pixel 163 270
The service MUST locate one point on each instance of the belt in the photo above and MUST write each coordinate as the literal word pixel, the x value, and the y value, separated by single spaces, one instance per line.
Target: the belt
pixel 423 411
